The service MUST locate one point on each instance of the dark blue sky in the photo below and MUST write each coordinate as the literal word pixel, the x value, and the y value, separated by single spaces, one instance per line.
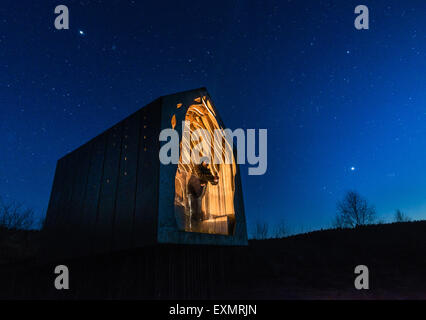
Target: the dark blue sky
pixel 331 97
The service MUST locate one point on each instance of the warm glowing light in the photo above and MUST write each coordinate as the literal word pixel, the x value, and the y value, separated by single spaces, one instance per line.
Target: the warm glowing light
pixel 173 121
pixel 205 204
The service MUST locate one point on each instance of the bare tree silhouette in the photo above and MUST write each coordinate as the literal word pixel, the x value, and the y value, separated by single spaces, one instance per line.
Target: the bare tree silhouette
pixel 354 211
pixel 261 230
pixel 280 230
pixel 14 216
pixel 401 216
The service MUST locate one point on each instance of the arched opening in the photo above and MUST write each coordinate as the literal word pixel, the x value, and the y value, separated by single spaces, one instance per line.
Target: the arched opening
pixel 204 196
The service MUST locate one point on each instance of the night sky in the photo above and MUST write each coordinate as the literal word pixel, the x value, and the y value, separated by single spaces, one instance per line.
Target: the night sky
pixel 345 109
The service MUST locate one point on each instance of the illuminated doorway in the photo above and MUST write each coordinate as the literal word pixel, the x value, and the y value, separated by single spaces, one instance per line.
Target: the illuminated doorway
pixel 204 196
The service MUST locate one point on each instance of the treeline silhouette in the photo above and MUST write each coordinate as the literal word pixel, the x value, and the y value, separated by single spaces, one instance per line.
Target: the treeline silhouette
pixel 352 211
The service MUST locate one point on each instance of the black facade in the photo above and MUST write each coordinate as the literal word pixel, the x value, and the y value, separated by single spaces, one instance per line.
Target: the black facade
pixel 113 194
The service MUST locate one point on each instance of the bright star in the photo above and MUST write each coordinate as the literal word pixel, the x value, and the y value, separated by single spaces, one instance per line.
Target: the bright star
pixel 352 168
pixel 81 32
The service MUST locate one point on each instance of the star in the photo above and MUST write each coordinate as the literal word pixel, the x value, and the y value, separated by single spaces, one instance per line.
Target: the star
pixel 352 168
pixel 81 32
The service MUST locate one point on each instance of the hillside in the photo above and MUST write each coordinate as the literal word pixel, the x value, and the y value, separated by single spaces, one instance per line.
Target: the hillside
pixel 18 245
pixel 321 264
pixel 316 265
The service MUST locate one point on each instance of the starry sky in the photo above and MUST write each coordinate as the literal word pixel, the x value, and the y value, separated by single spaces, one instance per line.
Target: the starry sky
pixel 345 109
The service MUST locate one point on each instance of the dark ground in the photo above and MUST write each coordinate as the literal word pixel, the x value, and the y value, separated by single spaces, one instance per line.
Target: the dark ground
pixel 317 265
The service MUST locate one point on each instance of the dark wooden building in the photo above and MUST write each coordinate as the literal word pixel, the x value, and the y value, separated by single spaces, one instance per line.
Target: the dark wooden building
pixel 114 194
